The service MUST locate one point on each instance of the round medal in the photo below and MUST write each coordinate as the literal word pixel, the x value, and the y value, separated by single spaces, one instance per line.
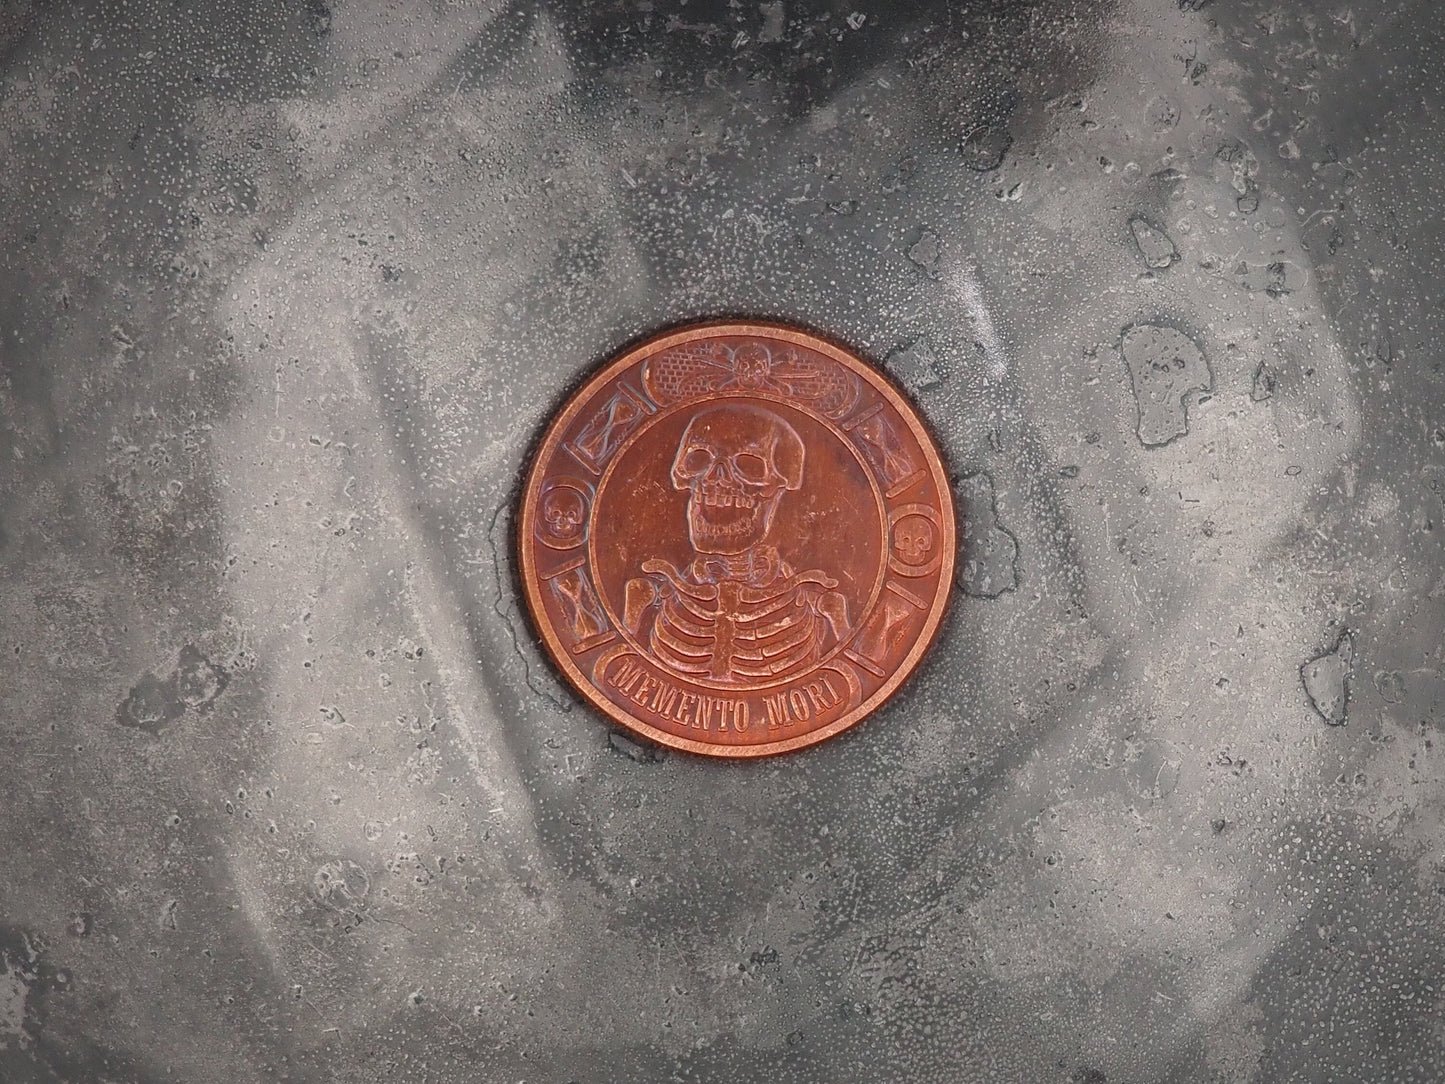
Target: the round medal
pixel 737 539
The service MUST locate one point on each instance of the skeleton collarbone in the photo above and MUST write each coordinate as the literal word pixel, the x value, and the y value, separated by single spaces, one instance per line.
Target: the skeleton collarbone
pixel 731 629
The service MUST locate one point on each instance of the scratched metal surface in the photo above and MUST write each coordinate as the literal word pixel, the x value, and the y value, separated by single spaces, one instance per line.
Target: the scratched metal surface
pixel 286 292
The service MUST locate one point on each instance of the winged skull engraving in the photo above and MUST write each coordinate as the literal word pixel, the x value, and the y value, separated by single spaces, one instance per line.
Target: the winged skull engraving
pixel 711 367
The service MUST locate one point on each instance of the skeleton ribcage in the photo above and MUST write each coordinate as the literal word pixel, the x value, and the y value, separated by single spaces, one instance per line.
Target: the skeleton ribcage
pixel 733 633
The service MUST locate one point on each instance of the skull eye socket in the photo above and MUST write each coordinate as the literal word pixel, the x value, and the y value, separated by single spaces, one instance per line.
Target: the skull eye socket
pixel 695 460
pixel 751 468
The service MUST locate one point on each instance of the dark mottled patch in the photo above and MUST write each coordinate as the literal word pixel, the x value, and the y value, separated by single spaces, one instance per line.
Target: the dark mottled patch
pixel 151 705
pixel 318 17
pixel 41 1058
pixel 1390 684
pixel 988 141
pixel 1168 182
pixel 1162 114
pixel 1262 387
pixel 197 679
pixel 342 884
pixel 986 145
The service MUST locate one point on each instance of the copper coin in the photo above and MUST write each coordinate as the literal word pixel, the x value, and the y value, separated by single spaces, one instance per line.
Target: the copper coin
pixel 737 539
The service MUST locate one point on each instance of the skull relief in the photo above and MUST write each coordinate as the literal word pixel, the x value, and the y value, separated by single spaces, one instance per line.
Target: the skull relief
pixel 751 364
pixel 913 538
pixel 562 516
pixel 735 461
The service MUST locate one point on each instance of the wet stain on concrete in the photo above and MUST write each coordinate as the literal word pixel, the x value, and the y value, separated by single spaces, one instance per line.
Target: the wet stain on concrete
pixel 926 251
pixel 153 703
pixel 916 366
pixel 1165 368
pixel 537 673
pixel 1155 246
pixel 1327 680
pixel 988 551
pixel 197 680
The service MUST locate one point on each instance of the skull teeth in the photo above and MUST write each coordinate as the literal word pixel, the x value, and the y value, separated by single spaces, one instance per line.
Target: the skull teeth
pixel 728 530
pixel 726 498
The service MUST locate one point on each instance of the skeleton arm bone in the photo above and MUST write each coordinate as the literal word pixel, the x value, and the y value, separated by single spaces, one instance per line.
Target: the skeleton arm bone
pixel 641 593
pixel 834 608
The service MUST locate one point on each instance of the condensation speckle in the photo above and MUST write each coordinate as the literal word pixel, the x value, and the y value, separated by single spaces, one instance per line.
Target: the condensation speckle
pixel 291 291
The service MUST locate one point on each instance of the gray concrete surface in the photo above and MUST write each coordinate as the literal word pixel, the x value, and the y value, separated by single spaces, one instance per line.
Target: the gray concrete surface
pixel 287 290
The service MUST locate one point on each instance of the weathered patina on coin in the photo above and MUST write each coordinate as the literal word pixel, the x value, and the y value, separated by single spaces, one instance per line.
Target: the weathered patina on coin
pixel 737 539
